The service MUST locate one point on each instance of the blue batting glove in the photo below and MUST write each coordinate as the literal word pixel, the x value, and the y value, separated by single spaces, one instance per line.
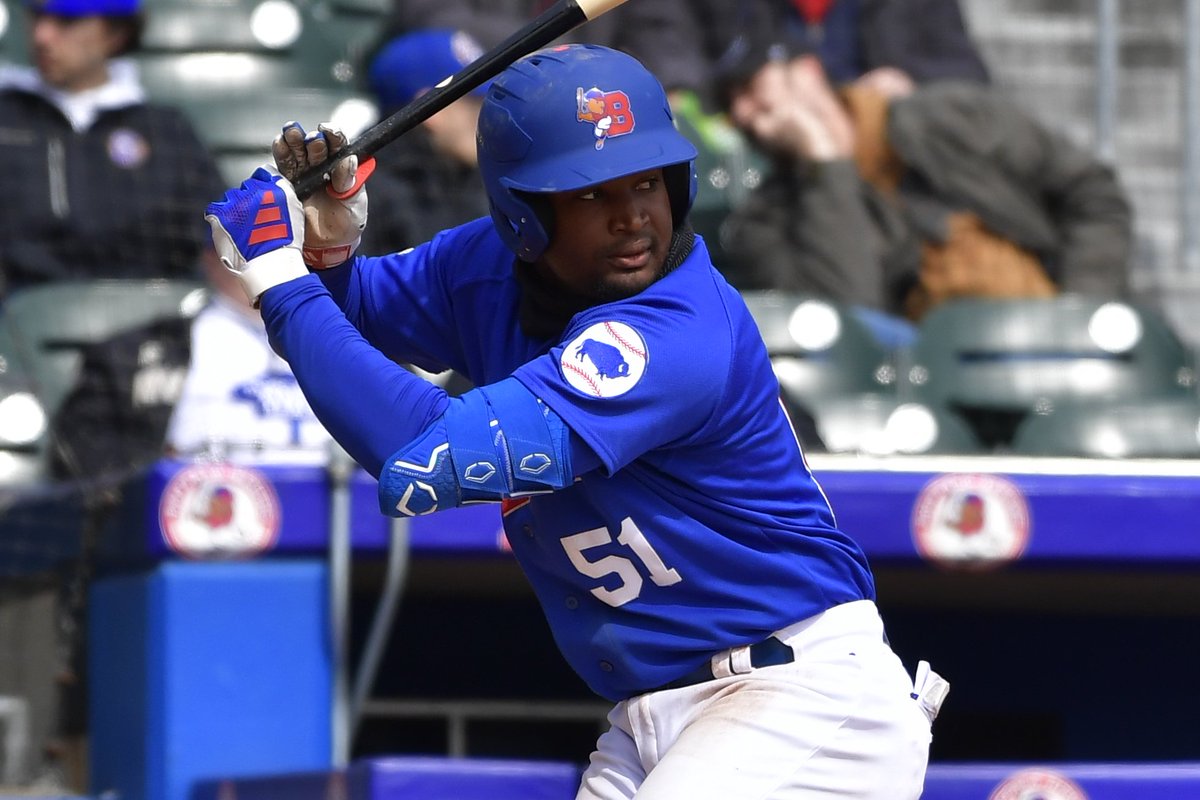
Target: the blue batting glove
pixel 258 230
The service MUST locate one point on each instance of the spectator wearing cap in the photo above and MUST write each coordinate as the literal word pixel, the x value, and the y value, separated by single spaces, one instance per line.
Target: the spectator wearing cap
pixel 427 180
pixel 109 184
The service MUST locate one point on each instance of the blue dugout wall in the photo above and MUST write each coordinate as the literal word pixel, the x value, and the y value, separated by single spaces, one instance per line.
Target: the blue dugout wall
pixel 1059 598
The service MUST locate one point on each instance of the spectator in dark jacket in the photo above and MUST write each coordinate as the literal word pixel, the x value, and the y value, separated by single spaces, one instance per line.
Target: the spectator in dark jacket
pixel 100 182
pixel 691 44
pixel 894 199
pixel 926 40
pixel 660 33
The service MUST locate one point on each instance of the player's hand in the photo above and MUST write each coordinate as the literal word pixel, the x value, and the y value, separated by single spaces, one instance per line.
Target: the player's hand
pixel 257 229
pixel 335 218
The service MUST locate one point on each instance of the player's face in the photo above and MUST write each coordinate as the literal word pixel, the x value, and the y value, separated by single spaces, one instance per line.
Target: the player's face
pixel 611 239
pixel 72 53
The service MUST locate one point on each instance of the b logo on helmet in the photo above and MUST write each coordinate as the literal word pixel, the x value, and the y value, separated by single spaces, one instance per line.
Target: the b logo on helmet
pixel 607 112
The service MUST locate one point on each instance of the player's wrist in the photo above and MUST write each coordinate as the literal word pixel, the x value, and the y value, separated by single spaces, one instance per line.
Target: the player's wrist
pixel 326 257
pixel 271 269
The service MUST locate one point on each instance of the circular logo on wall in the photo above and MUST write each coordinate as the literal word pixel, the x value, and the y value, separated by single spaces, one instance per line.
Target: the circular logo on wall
pixel 606 360
pixel 1038 784
pixel 970 521
pixel 219 511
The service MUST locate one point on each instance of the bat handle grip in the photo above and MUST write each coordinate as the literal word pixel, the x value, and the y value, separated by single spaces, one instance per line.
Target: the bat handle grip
pixel 316 178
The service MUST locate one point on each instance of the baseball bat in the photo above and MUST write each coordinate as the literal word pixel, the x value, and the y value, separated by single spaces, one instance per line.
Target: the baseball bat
pixel 563 16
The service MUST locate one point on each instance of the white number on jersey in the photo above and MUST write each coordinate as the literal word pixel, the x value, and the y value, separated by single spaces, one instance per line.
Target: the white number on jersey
pixel 631 580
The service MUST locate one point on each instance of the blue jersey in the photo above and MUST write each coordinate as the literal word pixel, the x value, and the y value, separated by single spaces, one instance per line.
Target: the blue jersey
pixel 704 528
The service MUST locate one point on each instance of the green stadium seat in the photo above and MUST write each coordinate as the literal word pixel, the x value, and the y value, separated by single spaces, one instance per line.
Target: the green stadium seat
pixel 996 361
pixel 195 27
pixel 377 9
pixel 818 348
pixel 14 37
pixel 239 121
pixel 342 33
pixel 1159 427
pixel 244 123
pixel 236 167
pixel 176 76
pixel 835 373
pixel 22 422
pixel 885 424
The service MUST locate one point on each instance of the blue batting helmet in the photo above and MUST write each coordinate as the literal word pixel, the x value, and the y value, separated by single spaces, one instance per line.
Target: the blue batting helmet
pixel 568 117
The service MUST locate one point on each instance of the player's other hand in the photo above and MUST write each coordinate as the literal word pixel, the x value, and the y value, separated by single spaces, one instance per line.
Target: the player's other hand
pixel 336 217
pixel 257 229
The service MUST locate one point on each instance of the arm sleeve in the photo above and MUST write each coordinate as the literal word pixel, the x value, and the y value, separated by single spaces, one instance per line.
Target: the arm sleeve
pixel 368 403
pixel 401 302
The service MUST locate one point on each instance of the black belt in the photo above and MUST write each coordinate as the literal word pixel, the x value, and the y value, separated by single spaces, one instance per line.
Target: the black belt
pixel 770 652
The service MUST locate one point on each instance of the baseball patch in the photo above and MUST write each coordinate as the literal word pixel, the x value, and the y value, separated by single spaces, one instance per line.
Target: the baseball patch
pixel 219 511
pixel 970 521
pixel 606 360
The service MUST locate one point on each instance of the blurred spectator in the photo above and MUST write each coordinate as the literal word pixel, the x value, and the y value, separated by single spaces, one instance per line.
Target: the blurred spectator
pixel 202 385
pixel 240 399
pixel 925 40
pixel 427 180
pixel 662 34
pixel 112 423
pixel 894 198
pixel 690 44
pixel 100 182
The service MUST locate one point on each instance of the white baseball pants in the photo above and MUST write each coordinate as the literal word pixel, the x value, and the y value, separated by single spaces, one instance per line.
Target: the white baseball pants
pixel 839 722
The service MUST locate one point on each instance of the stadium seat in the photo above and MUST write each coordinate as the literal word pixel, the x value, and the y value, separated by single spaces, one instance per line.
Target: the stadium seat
pixel 174 77
pixel 14 40
pixel 377 9
pixel 243 125
pixel 44 328
pixel 996 361
pixel 838 382
pixel 342 33
pixel 22 420
pixel 236 167
pixel 819 349
pixel 235 118
pixel 248 46
pixel 1161 427
pixel 885 424
pixel 192 27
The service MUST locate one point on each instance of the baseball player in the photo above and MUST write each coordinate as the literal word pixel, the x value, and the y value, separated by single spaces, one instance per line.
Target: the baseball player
pixel 628 421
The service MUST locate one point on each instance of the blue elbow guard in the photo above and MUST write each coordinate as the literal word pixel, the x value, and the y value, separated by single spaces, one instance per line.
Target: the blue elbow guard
pixel 493 442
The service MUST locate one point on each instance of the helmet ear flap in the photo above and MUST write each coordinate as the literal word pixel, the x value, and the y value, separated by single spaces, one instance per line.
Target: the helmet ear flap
pixel 529 234
pixel 680 180
pixel 542 225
